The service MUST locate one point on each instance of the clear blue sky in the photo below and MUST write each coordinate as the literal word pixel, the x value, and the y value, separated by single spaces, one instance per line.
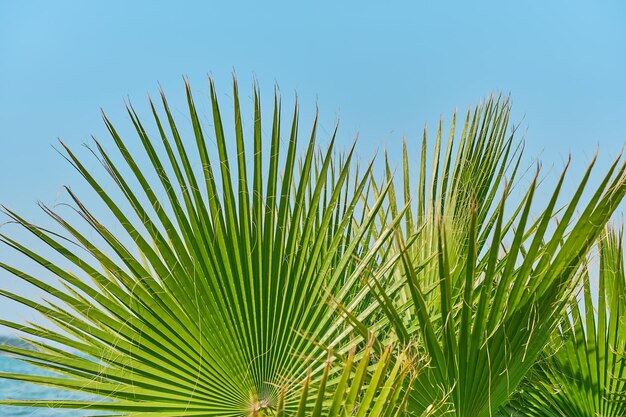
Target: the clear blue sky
pixel 384 69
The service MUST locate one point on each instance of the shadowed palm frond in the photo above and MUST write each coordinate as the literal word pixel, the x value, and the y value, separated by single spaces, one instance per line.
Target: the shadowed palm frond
pixel 362 385
pixel 585 375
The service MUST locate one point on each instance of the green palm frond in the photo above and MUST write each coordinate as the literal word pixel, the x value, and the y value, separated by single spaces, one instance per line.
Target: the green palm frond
pixel 482 283
pixel 361 386
pixel 218 280
pixel 215 311
pixel 586 373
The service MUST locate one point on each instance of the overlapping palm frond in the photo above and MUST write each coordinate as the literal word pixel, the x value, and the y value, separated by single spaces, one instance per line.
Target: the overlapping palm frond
pixel 482 284
pixel 218 285
pixel 362 386
pixel 585 373
pixel 216 311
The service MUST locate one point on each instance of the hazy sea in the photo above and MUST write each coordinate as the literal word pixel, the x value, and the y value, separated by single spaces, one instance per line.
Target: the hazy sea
pixel 21 390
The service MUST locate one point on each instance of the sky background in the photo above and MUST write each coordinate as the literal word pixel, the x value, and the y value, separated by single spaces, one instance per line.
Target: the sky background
pixel 383 70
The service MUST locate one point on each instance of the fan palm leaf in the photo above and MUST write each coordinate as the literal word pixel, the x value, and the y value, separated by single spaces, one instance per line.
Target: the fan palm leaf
pixel 482 285
pixel 207 301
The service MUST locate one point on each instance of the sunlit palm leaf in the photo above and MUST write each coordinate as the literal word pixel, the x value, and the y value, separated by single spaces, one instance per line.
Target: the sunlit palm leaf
pixel 482 285
pixel 215 312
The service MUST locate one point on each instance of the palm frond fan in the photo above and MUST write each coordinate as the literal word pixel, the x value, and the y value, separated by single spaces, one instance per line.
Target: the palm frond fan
pixel 205 301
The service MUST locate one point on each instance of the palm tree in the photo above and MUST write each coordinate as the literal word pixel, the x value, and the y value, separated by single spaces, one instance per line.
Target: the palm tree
pixel 211 300
pixel 585 374
pixel 482 310
pixel 304 286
